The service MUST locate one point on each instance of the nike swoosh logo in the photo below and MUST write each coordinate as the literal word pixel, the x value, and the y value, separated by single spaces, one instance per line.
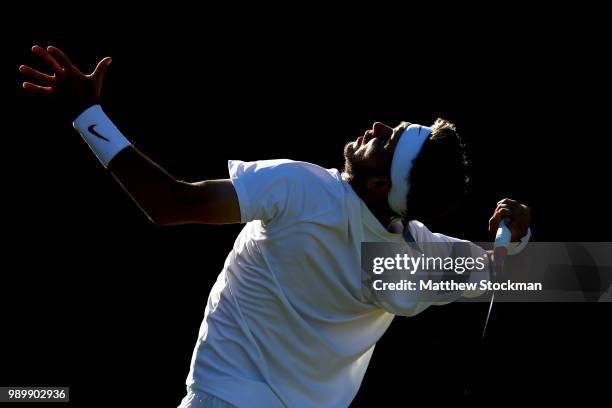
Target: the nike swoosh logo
pixel 93 132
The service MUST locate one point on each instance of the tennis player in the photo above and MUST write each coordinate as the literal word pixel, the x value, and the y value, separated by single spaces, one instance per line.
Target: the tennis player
pixel 287 323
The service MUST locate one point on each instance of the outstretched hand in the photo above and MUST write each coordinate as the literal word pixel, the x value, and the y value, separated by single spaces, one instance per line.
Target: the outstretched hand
pixel 63 80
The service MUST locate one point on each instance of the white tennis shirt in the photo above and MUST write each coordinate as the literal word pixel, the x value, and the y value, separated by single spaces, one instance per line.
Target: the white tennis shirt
pixel 287 322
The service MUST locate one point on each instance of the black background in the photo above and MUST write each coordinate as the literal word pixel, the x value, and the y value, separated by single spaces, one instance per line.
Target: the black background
pixel 95 297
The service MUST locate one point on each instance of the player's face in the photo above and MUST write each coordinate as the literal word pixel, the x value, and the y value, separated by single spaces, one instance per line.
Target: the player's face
pixel 373 151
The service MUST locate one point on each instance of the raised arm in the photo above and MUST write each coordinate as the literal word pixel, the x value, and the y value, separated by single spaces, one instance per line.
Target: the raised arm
pixel 164 199
pixel 168 201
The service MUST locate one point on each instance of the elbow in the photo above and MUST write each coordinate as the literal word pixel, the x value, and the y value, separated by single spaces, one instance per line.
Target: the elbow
pixel 170 208
pixel 160 215
pixel 160 219
pixel 166 215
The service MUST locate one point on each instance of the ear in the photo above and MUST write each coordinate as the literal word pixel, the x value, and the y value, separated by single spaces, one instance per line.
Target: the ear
pixel 379 184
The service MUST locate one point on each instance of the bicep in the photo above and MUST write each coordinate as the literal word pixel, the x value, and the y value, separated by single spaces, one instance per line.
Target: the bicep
pixel 208 202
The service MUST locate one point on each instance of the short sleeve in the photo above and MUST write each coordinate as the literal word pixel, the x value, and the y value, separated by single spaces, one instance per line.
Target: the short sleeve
pixel 433 245
pixel 466 247
pixel 270 190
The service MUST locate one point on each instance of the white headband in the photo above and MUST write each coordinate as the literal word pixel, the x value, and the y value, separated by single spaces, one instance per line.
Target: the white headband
pixel 407 149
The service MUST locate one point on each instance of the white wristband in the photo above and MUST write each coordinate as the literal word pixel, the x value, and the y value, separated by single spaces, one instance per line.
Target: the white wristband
pixel 102 136
pixel 516 247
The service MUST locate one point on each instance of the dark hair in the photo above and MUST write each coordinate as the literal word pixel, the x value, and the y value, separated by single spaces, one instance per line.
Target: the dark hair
pixel 439 176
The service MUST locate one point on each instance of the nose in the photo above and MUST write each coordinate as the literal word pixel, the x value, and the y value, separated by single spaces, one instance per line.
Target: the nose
pixel 379 129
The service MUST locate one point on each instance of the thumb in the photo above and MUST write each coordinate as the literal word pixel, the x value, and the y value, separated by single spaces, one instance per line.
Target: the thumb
pixel 100 70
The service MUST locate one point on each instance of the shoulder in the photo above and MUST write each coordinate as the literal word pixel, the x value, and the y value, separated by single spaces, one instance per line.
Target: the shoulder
pixel 422 233
pixel 419 231
pixel 285 169
pixel 285 189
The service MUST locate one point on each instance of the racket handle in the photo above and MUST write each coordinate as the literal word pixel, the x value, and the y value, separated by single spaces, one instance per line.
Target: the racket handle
pixel 503 237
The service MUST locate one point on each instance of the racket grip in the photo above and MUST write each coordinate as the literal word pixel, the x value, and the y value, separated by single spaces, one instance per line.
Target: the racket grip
pixel 503 237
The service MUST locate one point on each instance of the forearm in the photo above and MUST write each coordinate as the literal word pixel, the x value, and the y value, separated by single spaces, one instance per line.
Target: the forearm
pixel 164 199
pixel 154 190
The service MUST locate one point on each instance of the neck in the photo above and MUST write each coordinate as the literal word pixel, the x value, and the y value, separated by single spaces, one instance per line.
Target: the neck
pixel 377 206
